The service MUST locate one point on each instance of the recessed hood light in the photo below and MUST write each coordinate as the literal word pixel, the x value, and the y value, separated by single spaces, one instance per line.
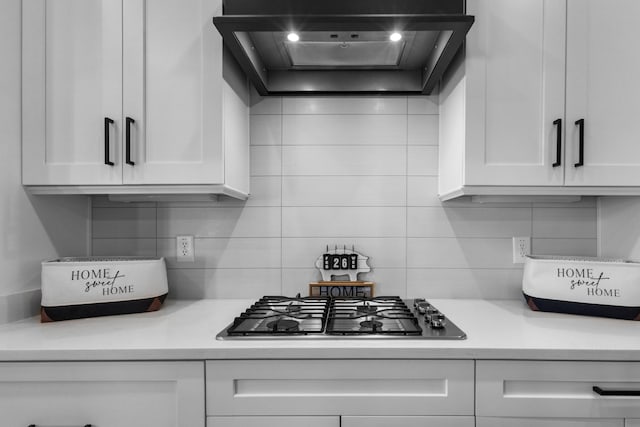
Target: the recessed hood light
pixel 343 46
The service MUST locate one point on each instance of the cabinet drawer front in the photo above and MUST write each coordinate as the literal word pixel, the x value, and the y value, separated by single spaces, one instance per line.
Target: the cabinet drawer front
pixel 400 421
pixel 105 394
pixel 556 389
pixel 340 387
pixel 260 421
pixel 546 422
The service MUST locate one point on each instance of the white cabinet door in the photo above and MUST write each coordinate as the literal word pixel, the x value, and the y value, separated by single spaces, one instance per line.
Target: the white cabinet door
pixel 546 422
pixel 632 423
pixel 401 421
pixel 515 66
pixel 603 66
pixel 104 394
pixel 72 80
pixel 260 421
pixel 172 93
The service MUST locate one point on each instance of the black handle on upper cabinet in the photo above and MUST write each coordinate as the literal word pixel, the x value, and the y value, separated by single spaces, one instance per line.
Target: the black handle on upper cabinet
pixel 603 392
pixel 558 124
pixel 107 122
pixel 128 122
pixel 580 124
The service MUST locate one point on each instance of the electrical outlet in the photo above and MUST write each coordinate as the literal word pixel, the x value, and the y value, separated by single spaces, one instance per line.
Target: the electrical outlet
pixel 521 248
pixel 184 249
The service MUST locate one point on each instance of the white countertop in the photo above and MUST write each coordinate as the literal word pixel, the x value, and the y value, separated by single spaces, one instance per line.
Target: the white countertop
pixel 186 330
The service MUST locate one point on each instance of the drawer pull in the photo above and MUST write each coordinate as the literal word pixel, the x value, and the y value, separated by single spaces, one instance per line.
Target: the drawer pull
pixel 33 425
pixel 603 392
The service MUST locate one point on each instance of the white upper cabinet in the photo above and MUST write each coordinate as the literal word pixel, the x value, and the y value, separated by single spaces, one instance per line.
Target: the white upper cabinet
pixel 603 89
pixel 65 109
pixel 532 70
pixel 516 57
pixel 130 97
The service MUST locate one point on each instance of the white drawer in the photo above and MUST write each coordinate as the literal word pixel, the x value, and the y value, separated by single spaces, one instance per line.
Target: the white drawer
pixel 261 421
pixel 404 421
pixel 547 422
pixel 556 389
pixel 105 394
pixel 340 387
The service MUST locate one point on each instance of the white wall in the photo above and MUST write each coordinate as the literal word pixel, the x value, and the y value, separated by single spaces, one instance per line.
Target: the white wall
pixel 619 227
pixel 344 171
pixel 31 229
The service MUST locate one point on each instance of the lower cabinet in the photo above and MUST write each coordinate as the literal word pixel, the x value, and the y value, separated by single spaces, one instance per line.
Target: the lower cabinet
pixel 103 394
pixel 400 421
pixel 346 393
pixel 557 393
pixel 547 422
pixel 258 421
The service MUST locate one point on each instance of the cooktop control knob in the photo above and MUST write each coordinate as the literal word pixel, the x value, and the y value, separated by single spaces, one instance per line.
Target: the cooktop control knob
pixel 422 307
pixel 438 321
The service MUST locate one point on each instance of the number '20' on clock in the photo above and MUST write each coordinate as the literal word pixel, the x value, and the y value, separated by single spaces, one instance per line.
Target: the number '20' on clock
pixel 340 262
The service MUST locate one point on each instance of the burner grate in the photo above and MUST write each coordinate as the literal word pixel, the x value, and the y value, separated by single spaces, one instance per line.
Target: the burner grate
pixel 376 315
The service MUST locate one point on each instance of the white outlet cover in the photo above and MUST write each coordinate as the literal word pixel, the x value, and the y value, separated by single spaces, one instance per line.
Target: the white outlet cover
pixel 184 249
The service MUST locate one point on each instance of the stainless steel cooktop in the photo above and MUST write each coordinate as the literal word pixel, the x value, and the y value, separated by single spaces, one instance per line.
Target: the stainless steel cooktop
pixel 384 317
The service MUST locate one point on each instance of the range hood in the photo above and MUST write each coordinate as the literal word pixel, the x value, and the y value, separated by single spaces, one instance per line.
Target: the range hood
pixel 294 47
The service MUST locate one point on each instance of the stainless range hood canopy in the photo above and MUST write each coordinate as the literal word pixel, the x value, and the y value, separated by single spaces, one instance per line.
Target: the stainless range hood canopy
pixel 344 46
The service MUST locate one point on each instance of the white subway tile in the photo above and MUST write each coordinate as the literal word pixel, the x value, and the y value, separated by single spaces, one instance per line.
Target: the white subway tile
pixel 423 104
pixel 468 222
pixel 225 283
pixel 564 222
pixel 422 191
pixel 387 252
pixel 422 160
pixel 124 247
pixel 266 130
pixel 464 283
pixel 219 222
pixel 565 247
pixel 266 160
pixel 344 130
pixel 422 130
pixel 345 105
pixel 459 253
pixel 343 222
pixel 226 253
pixel 387 281
pixel 343 191
pixel 336 160
pixel 134 222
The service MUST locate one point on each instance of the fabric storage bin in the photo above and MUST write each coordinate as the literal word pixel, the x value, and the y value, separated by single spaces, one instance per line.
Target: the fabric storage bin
pixel 74 288
pixel 587 286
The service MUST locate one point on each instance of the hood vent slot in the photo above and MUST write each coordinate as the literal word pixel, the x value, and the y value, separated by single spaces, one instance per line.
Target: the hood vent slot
pixel 343 46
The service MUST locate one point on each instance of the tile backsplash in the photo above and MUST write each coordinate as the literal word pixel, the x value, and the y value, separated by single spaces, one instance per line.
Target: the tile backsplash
pixel 344 171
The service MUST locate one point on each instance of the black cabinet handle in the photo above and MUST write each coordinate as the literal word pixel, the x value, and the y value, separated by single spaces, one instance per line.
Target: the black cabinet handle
pixel 33 425
pixel 558 124
pixel 580 123
pixel 128 122
pixel 603 392
pixel 107 122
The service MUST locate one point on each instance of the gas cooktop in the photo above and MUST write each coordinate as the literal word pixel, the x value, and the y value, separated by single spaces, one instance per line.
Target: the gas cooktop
pixel 279 317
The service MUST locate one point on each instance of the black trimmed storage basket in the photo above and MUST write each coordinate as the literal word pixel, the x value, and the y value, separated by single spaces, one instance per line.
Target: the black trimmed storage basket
pixel 74 288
